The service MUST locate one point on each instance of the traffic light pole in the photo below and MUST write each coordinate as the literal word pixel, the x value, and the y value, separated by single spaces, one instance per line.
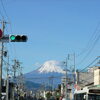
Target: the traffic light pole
pixel 3 39
pixel 1 60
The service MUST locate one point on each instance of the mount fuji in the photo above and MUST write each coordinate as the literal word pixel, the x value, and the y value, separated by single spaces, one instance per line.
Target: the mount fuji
pixel 50 66
pixel 50 71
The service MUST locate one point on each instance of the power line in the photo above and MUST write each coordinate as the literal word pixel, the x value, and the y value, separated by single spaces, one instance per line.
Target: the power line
pixel 91 48
pixel 1 14
pixel 6 15
pixel 93 37
pixel 4 9
pixel 9 21
pixel 90 63
pixel 88 53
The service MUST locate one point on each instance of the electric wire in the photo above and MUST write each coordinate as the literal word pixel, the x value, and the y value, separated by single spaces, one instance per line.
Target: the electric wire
pixel 90 64
pixel 7 63
pixel 9 23
pixel 4 10
pixel 89 76
pixel 94 39
pixel 1 14
pixel 91 49
pixel 6 15
pixel 89 42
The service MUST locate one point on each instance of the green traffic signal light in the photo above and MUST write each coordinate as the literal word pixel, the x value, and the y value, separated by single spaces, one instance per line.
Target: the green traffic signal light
pixel 12 37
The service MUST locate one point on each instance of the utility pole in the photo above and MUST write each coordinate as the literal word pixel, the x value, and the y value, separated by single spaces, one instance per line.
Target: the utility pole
pixel 1 58
pixel 7 83
pixel 74 78
pixel 71 58
pixel 66 80
pixel 16 66
pixel 74 65
pixel 14 77
pixel 20 80
pixel 75 73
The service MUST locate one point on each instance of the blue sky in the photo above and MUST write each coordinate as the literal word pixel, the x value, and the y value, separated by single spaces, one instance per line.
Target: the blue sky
pixel 54 28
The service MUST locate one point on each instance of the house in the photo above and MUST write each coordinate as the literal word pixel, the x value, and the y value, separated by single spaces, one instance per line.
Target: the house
pixel 89 78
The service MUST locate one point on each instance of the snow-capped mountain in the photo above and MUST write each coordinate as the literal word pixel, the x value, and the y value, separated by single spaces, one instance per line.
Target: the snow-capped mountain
pixel 50 66
pixel 44 72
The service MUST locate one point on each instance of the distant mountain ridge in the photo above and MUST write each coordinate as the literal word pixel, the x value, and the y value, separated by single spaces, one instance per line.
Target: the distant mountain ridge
pixel 31 85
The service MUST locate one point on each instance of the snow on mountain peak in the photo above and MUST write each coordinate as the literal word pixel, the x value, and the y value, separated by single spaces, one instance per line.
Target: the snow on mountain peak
pixel 51 66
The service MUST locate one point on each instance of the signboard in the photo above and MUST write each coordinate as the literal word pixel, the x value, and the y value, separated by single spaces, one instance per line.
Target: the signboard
pixel 5 38
pixel 1 33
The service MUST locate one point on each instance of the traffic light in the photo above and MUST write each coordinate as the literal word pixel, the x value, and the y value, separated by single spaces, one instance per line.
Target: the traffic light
pixel 18 38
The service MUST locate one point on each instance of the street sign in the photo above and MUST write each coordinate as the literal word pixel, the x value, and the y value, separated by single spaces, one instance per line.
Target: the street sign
pixel 0 33
pixel 5 38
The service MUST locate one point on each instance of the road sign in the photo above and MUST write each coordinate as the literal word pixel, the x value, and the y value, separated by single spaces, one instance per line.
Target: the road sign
pixel 0 33
pixel 5 38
